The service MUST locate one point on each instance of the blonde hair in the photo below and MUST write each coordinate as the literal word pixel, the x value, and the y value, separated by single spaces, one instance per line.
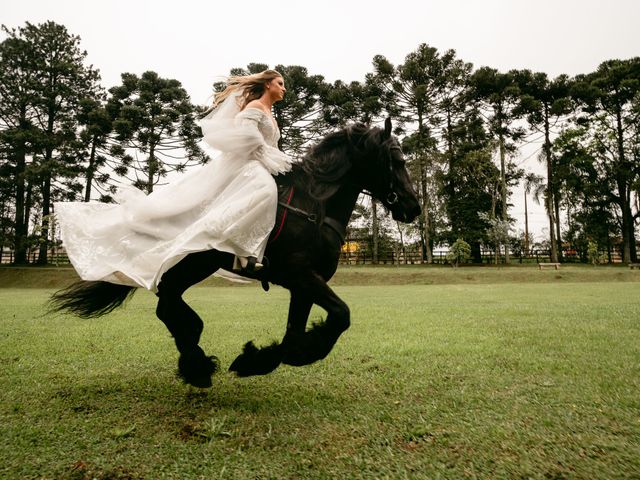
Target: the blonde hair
pixel 251 86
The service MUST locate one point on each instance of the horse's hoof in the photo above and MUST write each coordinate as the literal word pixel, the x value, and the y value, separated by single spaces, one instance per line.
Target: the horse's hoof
pixel 254 361
pixel 241 366
pixel 311 346
pixel 199 382
pixel 238 366
pixel 197 369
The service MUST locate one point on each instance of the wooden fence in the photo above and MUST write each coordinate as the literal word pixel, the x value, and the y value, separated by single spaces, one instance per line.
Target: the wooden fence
pixel 59 257
pixel 439 258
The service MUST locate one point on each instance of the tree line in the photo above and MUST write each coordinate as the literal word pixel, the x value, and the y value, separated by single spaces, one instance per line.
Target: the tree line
pixel 64 137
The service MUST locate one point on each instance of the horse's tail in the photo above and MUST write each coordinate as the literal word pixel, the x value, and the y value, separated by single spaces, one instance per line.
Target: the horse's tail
pixel 90 299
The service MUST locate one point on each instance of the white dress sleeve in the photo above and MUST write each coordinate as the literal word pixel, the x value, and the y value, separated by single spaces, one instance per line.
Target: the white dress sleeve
pixel 274 160
pixel 243 137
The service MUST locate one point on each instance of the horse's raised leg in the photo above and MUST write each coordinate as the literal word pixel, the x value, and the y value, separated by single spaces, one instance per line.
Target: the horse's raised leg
pixel 194 366
pixel 299 347
pixel 303 348
pixel 260 361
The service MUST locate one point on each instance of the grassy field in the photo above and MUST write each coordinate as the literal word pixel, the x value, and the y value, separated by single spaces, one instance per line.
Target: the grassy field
pixel 49 277
pixel 455 374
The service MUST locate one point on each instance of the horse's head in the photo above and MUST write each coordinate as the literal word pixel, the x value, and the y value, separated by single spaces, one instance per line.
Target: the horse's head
pixel 381 169
pixel 370 159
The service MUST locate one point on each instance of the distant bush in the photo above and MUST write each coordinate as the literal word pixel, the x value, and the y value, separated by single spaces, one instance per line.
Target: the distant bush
pixel 460 252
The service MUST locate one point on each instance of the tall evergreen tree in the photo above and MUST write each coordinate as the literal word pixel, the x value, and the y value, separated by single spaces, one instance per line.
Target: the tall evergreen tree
pixel 357 102
pixel 471 182
pixel 95 143
pixel 455 110
pixel 498 93
pixel 18 135
pixel 609 100
pixel 64 81
pixel 56 78
pixel 413 93
pixel 299 114
pixel 154 117
pixel 353 102
pixel 546 103
pixel 591 182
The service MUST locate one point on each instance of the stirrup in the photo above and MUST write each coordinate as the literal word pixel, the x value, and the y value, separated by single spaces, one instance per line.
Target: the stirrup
pixel 246 265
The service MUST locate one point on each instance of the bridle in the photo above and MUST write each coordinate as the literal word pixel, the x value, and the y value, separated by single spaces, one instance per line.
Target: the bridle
pixel 392 196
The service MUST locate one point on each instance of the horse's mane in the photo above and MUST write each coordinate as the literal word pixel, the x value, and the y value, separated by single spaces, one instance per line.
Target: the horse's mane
pixel 327 162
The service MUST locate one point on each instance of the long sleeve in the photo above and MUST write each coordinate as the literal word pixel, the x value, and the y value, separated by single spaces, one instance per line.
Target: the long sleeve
pixel 242 136
pixel 274 160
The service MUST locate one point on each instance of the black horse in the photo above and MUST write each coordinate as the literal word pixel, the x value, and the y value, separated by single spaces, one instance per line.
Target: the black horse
pixel 303 254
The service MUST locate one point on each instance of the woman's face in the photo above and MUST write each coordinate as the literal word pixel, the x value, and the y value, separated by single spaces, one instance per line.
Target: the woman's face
pixel 276 89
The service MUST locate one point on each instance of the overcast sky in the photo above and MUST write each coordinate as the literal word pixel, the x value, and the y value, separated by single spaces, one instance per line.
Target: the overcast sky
pixel 196 42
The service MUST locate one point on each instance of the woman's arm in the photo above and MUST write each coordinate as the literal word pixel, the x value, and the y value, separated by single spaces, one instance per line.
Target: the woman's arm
pixel 274 160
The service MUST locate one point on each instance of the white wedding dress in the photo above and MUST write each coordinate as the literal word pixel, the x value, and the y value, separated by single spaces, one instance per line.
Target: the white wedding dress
pixel 229 204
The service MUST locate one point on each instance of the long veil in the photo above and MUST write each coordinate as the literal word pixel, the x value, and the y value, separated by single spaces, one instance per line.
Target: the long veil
pixel 221 130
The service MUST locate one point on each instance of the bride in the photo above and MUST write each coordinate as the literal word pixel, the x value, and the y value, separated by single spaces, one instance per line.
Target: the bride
pixel 229 204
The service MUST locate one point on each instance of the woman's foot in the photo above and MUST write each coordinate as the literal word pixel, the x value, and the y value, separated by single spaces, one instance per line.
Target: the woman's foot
pixel 246 265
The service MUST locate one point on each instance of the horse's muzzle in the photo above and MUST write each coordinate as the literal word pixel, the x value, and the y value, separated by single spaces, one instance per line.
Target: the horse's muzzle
pixel 405 212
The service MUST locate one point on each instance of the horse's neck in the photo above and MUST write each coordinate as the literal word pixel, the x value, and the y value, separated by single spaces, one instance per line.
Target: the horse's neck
pixel 341 204
pixel 338 206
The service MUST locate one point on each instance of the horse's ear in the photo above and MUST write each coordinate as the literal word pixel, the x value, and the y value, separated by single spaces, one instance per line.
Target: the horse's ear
pixel 387 128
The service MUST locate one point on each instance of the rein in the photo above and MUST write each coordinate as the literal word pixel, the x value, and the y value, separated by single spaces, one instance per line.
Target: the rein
pixel 275 236
pixel 332 223
pixel 312 217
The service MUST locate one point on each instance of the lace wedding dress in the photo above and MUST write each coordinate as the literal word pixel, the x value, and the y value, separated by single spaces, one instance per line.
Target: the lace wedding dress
pixel 229 204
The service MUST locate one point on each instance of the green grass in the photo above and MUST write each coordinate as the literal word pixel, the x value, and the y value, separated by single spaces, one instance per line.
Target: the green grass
pixel 51 277
pixel 488 380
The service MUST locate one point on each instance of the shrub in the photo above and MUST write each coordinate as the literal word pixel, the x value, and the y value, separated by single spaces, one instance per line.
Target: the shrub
pixel 459 252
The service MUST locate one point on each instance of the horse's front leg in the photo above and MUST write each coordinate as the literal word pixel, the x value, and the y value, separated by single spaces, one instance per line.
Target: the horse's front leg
pixel 260 361
pixel 303 348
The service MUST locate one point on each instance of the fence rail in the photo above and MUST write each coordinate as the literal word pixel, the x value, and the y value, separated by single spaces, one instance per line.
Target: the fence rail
pixel 488 258
pixel 54 257
pixel 59 257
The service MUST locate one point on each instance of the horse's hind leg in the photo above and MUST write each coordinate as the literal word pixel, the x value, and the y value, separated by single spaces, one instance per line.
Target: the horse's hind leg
pixel 194 367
